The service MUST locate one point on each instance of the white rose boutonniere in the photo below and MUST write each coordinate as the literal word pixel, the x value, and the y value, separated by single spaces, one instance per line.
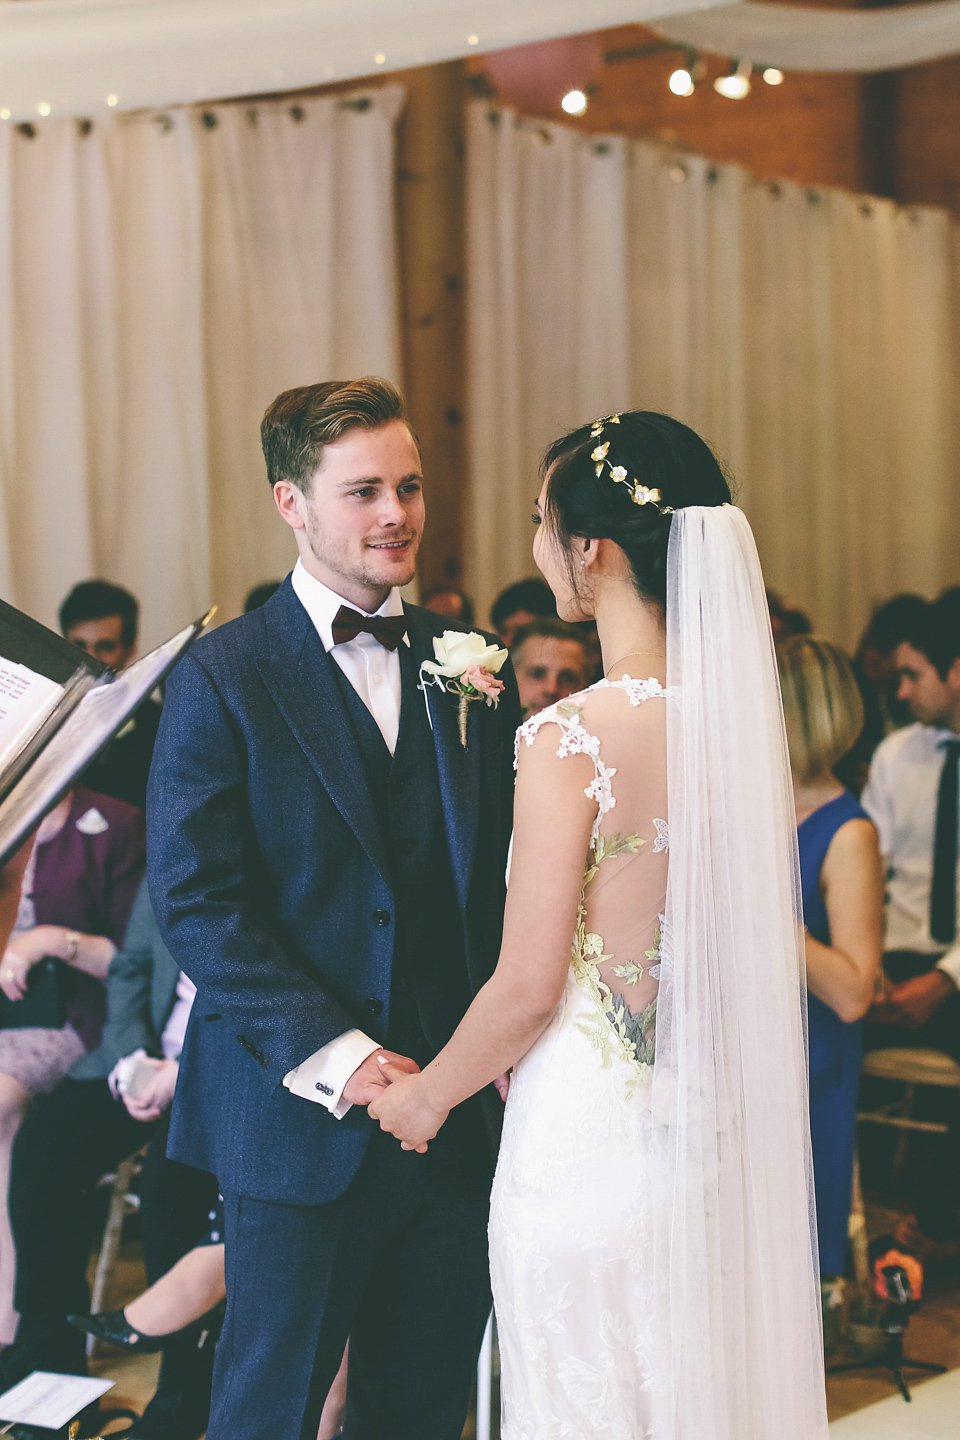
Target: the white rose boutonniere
pixel 466 666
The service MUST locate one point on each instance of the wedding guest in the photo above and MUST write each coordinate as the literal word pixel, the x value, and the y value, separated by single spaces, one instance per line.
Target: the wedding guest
pixel 786 620
pixel 103 620
pixel 520 604
pixel 842 886
pixel 448 600
pixel 78 886
pixel 260 594
pixel 550 662
pixel 84 1128
pixel 912 795
pixel 890 624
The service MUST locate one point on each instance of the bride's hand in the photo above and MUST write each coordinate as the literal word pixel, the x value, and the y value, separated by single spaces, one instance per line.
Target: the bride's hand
pixel 402 1110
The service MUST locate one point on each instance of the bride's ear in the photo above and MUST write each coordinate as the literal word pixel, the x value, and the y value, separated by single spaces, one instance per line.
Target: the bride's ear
pixel 588 552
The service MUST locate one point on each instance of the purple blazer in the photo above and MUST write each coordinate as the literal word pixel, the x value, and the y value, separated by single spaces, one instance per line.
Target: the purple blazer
pixel 89 881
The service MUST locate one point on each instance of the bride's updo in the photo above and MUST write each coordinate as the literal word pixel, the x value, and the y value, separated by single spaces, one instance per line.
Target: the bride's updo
pixel 650 452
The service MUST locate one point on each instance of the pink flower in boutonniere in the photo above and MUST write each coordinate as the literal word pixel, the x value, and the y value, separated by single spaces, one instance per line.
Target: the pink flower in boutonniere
pixel 466 666
pixel 483 682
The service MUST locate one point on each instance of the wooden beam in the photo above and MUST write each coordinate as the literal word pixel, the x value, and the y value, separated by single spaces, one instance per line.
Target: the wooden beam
pixel 431 223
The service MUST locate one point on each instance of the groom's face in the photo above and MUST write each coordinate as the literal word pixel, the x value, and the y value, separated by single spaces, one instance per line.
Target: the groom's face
pixel 360 519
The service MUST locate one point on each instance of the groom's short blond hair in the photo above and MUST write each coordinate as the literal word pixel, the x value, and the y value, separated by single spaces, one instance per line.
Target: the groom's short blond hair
pixel 822 704
pixel 300 423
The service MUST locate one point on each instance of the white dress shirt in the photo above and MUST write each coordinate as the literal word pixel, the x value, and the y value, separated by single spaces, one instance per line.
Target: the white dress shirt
pixel 901 800
pixel 374 672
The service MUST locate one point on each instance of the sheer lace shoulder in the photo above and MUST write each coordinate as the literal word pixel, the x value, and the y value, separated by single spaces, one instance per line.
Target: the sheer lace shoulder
pixel 615 955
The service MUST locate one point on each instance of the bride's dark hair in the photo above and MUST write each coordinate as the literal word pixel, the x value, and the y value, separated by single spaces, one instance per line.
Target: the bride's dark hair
pixel 656 451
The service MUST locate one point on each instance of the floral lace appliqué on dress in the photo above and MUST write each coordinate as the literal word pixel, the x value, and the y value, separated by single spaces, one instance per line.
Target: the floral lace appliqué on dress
pixel 615 1030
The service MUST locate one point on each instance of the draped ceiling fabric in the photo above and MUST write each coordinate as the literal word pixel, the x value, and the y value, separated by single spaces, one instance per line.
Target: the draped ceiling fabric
pixel 810 336
pixel 72 54
pixel 796 37
pixel 162 278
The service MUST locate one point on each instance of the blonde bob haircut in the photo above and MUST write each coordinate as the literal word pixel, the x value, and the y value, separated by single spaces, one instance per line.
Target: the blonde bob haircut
pixel 821 704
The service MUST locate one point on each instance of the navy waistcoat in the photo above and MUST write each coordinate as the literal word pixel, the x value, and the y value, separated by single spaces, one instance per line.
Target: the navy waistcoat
pixel 429 988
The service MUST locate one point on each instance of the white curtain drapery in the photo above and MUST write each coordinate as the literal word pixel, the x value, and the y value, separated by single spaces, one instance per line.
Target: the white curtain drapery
pixel 162 278
pixel 809 336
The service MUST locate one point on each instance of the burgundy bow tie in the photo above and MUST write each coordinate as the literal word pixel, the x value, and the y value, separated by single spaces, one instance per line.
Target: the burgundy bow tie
pixel 388 629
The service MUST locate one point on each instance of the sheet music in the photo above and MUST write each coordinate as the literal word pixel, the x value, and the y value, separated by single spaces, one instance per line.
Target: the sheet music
pixel 49 1400
pixel 26 699
pixel 81 736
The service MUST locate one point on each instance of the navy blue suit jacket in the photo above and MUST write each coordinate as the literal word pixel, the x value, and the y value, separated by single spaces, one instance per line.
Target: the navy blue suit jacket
pixel 269 884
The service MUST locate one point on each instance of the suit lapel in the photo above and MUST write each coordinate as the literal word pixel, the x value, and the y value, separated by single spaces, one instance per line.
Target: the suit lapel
pixel 297 672
pixel 458 769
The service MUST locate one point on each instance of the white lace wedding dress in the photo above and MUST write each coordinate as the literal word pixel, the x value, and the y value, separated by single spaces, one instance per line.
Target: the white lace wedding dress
pixel 570 1224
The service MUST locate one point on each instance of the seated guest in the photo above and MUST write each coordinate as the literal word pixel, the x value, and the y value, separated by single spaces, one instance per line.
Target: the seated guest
pixel 520 604
pixel 842 886
pixel 890 624
pixel 912 795
pixel 786 620
pixel 96 1117
pixel 549 660
pixel 81 877
pixel 448 600
pixel 260 594
pixel 102 619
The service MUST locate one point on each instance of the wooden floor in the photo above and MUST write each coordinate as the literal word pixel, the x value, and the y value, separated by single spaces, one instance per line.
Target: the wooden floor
pixel 933 1334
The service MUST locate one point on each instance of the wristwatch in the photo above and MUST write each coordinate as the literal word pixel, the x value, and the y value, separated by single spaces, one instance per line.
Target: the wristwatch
pixel 73 944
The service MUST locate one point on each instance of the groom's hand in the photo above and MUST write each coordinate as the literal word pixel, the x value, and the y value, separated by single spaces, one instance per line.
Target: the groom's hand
pixel 368 1080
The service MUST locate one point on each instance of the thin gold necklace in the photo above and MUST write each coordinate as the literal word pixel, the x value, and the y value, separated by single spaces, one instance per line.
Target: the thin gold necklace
pixel 630 655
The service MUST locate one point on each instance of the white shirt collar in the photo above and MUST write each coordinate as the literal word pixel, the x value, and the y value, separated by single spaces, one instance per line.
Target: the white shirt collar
pixel 321 603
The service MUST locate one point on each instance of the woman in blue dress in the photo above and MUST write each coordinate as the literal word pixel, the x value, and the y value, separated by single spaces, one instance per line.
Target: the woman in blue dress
pixel 842 882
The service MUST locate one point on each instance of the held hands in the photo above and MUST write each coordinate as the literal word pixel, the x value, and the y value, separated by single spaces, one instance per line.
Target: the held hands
pixel 368 1080
pixel 913 1002
pixel 402 1107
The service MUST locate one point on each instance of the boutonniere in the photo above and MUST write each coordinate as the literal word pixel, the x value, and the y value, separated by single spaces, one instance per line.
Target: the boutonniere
pixel 466 666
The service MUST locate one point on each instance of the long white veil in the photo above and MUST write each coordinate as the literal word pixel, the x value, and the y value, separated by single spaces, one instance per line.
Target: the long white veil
pixel 735 1246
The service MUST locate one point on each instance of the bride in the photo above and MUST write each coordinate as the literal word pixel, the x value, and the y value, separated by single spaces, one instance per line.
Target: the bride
pixel 652 1246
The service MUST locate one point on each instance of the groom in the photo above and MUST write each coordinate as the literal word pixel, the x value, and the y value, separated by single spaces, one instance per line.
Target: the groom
pixel 327 865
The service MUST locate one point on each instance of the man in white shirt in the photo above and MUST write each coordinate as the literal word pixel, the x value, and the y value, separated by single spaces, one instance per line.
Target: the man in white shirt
pixel 912 797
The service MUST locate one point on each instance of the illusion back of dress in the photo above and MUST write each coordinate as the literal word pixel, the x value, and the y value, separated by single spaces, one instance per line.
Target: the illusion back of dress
pixel 616 951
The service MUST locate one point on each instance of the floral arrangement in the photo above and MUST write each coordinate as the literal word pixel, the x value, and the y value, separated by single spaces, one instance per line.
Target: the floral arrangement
pixel 466 666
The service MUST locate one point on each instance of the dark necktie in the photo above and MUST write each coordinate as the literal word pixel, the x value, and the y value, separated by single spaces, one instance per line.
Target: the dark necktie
pixel 943 887
pixel 388 629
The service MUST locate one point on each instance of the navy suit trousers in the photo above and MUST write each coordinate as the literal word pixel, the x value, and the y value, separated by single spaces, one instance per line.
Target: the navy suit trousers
pixel 397 1264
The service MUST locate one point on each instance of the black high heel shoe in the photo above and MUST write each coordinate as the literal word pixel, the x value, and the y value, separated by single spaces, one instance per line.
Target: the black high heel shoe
pixel 112 1326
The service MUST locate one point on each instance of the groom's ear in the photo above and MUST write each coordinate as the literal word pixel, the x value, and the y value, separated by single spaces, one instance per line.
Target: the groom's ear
pixel 291 502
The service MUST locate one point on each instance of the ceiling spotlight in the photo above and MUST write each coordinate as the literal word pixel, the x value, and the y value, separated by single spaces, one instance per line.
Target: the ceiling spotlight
pixel 736 85
pixel 473 39
pixel 113 100
pixel 574 102
pixel 4 113
pixel 43 108
pixel 773 76
pixel 681 82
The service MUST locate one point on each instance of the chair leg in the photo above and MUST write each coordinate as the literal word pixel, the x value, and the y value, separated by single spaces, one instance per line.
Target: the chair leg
pixel 858 1228
pixel 111 1239
pixel 900 1151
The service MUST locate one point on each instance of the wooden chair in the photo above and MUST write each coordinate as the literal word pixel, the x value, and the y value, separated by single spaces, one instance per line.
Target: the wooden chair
pixel 123 1202
pixel 912 1068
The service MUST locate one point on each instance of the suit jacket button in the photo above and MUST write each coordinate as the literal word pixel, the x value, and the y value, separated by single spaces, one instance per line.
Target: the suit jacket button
pixel 373 1007
pixel 381 917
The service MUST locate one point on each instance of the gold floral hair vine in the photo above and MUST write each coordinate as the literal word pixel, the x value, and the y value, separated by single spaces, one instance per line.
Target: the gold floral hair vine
pixel 639 494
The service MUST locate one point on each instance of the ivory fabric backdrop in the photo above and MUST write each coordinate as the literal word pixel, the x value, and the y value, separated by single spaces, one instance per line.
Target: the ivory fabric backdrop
pixel 162 278
pixel 810 336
